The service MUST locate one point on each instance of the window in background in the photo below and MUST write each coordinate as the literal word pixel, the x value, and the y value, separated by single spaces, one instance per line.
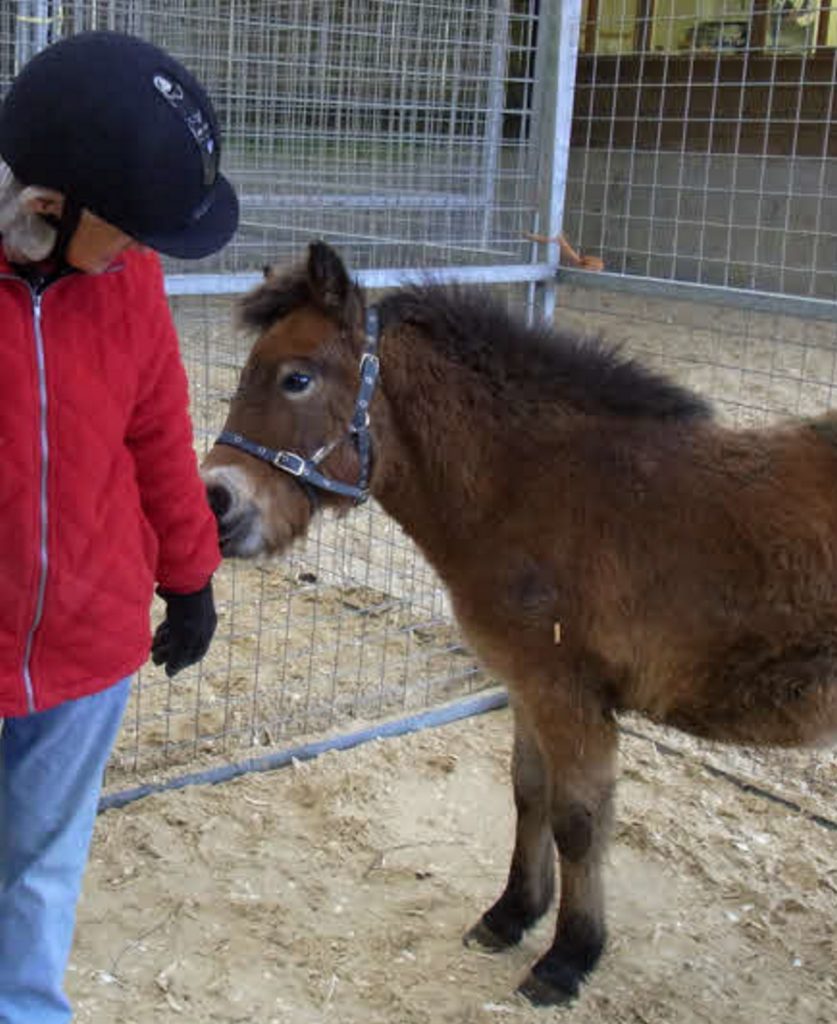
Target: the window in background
pixel 615 26
pixel 706 26
pixel 792 24
pixel 700 25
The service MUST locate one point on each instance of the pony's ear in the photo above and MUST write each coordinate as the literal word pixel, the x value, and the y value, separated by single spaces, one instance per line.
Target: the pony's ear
pixel 328 279
pixel 267 270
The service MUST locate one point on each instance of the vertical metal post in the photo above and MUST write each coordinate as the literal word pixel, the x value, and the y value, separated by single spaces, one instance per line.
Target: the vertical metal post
pixel 229 82
pixel 78 17
pixel 558 38
pixel 33 29
pixel 495 112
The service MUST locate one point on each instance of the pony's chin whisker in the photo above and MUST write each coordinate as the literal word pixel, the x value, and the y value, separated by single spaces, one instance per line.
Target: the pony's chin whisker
pixel 251 537
pixel 243 545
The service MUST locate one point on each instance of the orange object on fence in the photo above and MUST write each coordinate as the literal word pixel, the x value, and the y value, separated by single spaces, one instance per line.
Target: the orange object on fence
pixel 568 254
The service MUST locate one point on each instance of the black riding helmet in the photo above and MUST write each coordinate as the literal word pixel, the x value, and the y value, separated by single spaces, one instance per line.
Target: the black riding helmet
pixel 123 129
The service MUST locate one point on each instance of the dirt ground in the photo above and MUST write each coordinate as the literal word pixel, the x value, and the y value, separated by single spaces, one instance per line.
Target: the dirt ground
pixel 338 890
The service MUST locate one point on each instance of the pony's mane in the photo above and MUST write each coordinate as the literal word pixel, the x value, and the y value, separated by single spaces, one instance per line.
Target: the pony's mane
pixel 474 329
pixel 527 364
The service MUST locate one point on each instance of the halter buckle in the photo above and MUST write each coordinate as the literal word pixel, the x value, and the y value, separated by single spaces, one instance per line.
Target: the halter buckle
pixel 369 365
pixel 290 462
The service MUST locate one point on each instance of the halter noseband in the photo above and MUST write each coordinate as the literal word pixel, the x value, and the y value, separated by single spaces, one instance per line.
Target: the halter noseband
pixel 305 469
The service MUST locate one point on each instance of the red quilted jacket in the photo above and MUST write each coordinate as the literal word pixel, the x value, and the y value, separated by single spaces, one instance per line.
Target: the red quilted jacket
pixel 99 489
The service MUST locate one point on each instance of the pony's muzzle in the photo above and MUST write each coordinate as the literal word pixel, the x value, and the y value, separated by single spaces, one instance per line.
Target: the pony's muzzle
pixel 239 531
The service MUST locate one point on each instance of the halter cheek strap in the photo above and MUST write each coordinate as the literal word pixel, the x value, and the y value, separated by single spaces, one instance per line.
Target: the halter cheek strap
pixel 305 469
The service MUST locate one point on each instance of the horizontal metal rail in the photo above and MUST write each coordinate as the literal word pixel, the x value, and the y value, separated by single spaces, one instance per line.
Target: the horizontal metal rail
pixel 465 707
pixel 721 295
pixel 234 284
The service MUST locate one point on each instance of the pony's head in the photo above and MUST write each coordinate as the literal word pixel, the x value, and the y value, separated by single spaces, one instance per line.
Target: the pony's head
pixel 291 415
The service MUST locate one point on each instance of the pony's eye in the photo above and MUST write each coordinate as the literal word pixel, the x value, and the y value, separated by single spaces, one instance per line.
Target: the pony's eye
pixel 296 382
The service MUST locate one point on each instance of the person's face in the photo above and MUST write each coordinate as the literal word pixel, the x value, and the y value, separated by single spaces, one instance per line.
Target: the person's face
pixel 95 243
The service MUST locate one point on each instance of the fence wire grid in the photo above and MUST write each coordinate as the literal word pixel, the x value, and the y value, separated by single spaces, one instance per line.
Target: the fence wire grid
pixel 398 130
pixel 704 142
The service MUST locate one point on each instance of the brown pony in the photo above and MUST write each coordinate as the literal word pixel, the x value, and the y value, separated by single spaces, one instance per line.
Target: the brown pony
pixel 606 544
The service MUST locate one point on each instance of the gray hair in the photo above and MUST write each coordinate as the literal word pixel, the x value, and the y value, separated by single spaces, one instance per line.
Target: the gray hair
pixel 26 237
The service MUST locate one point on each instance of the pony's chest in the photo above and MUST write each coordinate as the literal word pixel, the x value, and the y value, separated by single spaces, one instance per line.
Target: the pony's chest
pixel 513 618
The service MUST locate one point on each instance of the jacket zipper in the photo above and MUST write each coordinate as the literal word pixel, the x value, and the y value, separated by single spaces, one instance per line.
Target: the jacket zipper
pixel 36 294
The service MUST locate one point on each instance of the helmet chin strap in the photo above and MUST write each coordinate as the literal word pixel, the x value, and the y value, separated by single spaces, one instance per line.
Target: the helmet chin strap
pixel 65 227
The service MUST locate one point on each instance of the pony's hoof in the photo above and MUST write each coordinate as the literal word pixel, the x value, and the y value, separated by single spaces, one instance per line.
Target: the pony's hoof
pixel 548 992
pixel 482 937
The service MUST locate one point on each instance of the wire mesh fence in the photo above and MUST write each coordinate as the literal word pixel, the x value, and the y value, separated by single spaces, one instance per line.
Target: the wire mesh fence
pixel 703 172
pixel 399 131
pixel 705 142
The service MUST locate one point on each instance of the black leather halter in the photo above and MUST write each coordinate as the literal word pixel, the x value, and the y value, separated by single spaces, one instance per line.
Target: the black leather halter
pixel 305 469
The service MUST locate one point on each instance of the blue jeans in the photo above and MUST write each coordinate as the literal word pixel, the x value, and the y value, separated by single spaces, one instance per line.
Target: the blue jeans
pixel 51 768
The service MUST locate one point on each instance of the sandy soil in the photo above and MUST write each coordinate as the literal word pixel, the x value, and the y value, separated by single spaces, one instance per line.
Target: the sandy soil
pixel 338 890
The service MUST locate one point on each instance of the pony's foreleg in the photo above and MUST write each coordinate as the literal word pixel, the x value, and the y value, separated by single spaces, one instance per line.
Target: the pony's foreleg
pixel 582 771
pixel 531 882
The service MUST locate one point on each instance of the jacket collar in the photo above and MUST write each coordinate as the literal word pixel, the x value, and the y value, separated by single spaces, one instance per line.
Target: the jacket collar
pixel 6 268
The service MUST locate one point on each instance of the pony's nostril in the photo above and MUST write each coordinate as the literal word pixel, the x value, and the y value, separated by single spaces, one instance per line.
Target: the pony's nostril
pixel 220 499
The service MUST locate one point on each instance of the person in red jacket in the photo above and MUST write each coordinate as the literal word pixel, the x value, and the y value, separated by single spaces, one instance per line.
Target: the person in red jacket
pixel 109 153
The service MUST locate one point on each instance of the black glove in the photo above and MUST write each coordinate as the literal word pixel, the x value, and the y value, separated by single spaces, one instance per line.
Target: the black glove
pixel 183 637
